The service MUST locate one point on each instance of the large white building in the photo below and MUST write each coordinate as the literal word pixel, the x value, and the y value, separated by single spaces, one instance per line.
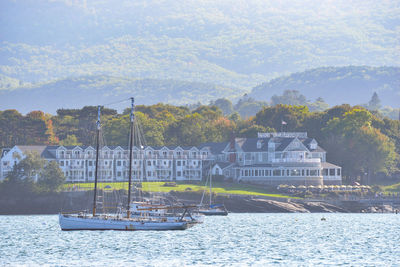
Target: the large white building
pixel 150 164
pixel 272 158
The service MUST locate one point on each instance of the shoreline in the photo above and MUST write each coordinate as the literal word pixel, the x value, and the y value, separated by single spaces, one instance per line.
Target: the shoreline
pixel 55 203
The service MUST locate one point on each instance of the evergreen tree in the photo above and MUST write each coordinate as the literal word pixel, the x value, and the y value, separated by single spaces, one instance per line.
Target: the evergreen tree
pixel 375 102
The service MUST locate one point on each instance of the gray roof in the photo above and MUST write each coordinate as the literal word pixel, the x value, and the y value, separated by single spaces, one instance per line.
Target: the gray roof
pixel 250 144
pixel 215 148
pixel 223 165
pixel 327 165
pixel 36 149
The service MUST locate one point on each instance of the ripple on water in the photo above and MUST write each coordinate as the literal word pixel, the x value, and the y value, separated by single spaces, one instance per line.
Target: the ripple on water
pixel 236 240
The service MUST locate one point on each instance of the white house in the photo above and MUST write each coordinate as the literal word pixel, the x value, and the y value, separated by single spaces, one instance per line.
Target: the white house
pixel 274 158
pixel 14 155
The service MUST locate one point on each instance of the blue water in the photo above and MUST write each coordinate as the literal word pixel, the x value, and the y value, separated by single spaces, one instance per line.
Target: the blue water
pixel 236 240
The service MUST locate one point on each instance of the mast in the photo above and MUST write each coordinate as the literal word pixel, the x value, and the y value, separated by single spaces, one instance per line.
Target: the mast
pixel 97 159
pixel 210 184
pixel 132 116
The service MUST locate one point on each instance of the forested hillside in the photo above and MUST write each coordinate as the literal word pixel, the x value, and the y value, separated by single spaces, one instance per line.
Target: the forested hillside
pixel 351 84
pixel 354 138
pixel 230 43
pixel 317 88
pixel 94 90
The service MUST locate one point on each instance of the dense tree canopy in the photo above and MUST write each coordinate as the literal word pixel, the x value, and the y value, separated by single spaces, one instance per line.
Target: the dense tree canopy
pixel 359 140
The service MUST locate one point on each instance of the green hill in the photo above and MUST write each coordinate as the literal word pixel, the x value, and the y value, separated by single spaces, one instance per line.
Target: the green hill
pixel 337 85
pixel 95 90
pixel 230 43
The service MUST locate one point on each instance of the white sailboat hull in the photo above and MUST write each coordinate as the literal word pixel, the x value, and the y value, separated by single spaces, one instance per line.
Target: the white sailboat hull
pixel 214 212
pixel 70 223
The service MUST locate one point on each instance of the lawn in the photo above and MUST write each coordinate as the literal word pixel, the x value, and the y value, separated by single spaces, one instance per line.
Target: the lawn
pixel 218 188
pixel 394 188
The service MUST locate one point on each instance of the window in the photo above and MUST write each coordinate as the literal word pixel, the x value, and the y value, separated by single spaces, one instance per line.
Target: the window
pixel 148 173
pixel 294 172
pixel 90 174
pixel 90 163
pixel 118 163
pixel 119 174
pixel 179 173
pixel 246 173
pixel 325 172
pixel 183 163
pixel 331 172
pixel 276 172
pixel 149 163
pixel 61 163
pixel 178 163
pixel 338 171
pixel 256 172
pixel 313 172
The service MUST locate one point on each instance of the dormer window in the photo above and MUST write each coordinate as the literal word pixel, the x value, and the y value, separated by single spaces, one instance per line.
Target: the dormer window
pixel 313 145
pixel 259 144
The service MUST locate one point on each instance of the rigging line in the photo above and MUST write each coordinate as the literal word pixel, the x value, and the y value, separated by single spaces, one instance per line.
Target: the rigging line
pixel 116 102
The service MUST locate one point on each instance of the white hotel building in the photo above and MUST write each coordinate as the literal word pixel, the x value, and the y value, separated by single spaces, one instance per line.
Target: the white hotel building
pixel 272 158
pixel 150 164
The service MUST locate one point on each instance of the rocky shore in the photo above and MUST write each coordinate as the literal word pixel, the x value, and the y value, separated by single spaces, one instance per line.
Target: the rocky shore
pixel 81 200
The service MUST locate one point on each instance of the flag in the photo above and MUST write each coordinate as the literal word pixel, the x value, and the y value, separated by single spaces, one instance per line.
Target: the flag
pixel 284 122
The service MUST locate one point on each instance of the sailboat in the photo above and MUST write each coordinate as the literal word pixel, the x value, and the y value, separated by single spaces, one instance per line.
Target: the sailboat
pixel 212 209
pixel 94 221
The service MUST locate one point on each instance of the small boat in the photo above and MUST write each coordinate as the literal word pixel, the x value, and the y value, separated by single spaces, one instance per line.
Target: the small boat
pixel 140 209
pixel 84 221
pixel 212 209
pixel 216 209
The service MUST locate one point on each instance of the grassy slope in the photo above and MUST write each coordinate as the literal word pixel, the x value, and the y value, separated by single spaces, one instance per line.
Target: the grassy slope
pixel 218 188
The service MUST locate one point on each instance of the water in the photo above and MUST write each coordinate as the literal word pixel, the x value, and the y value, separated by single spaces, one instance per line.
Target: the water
pixel 236 240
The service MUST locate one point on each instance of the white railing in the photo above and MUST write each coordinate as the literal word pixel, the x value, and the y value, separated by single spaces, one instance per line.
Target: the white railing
pixel 290 160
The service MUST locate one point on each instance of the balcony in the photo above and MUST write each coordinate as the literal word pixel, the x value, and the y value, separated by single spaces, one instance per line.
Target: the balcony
pixel 296 160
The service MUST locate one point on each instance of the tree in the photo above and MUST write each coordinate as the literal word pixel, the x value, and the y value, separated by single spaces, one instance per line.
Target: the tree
pixel 289 97
pixel 224 104
pixel 71 140
pixel 358 147
pixel 248 107
pixel 273 117
pixel 21 180
pixel 187 132
pixel 318 105
pixel 52 178
pixel 374 103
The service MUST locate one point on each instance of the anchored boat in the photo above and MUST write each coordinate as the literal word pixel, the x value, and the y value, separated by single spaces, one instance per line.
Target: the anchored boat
pixel 84 221
pixel 212 209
